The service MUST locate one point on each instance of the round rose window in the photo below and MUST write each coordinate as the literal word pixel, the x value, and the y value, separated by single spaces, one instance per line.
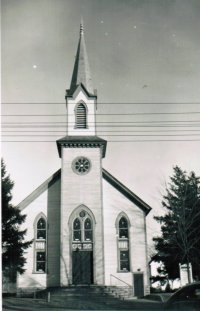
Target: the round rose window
pixel 81 165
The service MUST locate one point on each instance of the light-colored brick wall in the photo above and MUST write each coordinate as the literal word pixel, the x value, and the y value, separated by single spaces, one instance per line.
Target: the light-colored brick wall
pixel 75 191
pixel 115 203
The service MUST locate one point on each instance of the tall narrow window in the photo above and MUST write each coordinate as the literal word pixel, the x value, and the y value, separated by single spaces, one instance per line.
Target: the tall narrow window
pixel 40 261
pixel 88 230
pixel 41 229
pixel 123 228
pixel 124 260
pixel 40 245
pixel 123 244
pixel 81 117
pixel 77 230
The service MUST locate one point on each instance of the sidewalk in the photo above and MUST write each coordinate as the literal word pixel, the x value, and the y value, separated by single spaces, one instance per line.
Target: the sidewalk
pixel 28 304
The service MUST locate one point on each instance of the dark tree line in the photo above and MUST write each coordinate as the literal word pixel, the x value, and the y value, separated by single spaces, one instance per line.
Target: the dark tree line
pixel 180 226
pixel 13 238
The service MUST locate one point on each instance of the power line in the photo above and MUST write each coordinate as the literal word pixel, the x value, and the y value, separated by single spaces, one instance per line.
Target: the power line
pixel 124 135
pixel 99 103
pixel 110 141
pixel 102 122
pixel 108 126
pixel 104 114
pixel 104 131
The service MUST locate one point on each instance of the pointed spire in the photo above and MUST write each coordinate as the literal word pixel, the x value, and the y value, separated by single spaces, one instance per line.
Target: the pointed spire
pixel 81 28
pixel 81 73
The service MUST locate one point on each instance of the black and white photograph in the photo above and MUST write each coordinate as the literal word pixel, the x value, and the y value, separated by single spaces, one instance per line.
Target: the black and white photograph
pixel 100 161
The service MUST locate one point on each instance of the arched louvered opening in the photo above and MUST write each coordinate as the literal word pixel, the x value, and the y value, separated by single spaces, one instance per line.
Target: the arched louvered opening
pixel 81 116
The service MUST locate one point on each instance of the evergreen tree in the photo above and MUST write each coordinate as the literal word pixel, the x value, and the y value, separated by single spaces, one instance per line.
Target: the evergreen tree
pixel 13 244
pixel 179 242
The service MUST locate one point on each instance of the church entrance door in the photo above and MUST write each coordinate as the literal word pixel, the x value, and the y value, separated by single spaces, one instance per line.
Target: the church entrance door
pixel 82 267
pixel 82 249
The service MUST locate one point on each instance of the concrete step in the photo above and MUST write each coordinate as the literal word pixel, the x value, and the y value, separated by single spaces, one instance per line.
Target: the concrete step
pixel 94 292
pixel 120 291
pixel 73 296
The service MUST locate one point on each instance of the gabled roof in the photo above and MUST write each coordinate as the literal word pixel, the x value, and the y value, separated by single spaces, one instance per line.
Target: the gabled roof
pixel 126 192
pixel 107 176
pixel 81 73
pixel 80 87
pixel 38 191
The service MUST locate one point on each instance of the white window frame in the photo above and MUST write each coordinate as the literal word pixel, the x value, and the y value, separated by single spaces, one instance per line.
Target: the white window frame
pixel 123 243
pixel 40 245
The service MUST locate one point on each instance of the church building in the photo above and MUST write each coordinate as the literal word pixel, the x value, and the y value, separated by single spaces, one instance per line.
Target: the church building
pixel 87 227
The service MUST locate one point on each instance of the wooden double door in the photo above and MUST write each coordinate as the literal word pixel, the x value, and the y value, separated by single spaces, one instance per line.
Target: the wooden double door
pixel 82 267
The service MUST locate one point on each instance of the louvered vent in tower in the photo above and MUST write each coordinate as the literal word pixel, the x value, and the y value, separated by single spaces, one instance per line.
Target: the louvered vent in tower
pixel 81 122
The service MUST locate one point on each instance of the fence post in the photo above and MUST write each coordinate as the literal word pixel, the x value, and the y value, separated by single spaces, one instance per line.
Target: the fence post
pixel 49 297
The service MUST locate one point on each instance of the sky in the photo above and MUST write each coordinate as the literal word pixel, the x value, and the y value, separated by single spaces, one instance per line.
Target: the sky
pixel 144 59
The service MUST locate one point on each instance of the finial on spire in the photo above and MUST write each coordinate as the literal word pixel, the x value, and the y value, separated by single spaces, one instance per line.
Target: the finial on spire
pixel 81 73
pixel 81 27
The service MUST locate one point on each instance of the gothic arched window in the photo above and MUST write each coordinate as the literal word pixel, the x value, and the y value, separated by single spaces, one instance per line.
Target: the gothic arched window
pixel 123 244
pixel 40 244
pixel 82 231
pixel 81 116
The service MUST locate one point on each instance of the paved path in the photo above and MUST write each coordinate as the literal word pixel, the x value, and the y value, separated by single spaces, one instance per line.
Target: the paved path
pixel 28 304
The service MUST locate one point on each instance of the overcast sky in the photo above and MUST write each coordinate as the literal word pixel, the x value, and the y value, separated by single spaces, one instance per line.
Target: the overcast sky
pixel 144 58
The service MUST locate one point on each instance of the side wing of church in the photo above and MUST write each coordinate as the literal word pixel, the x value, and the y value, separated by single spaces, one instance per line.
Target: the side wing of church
pixel 87 227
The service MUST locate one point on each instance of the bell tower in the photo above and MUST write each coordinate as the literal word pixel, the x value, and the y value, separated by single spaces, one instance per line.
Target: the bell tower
pixel 81 152
pixel 81 98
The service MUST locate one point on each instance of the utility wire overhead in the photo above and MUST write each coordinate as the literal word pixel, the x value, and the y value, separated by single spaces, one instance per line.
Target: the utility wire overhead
pixel 108 126
pixel 124 135
pixel 104 131
pixel 102 122
pixel 104 114
pixel 100 103
pixel 110 141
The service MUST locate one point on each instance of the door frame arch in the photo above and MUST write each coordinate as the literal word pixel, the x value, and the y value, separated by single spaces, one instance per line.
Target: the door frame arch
pixel 75 214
